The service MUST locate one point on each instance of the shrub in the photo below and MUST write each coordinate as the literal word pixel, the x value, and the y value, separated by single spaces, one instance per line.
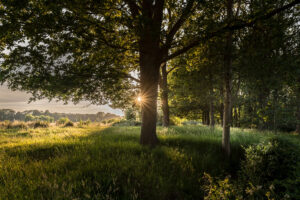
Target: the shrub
pixel 15 125
pixel 271 166
pixel 218 189
pixel 84 123
pixel 130 114
pixel 63 121
pixel 127 123
pixel 41 124
pixel 69 124
pixel 190 122
pixel 111 121
pixel 269 171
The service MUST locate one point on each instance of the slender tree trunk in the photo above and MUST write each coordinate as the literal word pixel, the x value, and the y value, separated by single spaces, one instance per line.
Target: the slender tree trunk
pixel 164 96
pixel 239 116
pixel 207 118
pixel 212 113
pixel 211 102
pixel 221 108
pixel 298 108
pixel 227 85
pixel 298 119
pixel 235 117
pixel 275 110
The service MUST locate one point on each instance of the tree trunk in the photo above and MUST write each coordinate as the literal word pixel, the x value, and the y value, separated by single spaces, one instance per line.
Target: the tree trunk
pixel 164 96
pixel 149 90
pixel 207 117
pixel 298 108
pixel 212 113
pixel 236 117
pixel 149 65
pixel 298 119
pixel 211 102
pixel 227 84
pixel 221 110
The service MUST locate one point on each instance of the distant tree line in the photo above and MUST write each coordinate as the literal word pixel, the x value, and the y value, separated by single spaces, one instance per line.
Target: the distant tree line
pixel 34 115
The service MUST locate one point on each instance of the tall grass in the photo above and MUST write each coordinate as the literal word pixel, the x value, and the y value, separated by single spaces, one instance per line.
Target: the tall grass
pixel 108 162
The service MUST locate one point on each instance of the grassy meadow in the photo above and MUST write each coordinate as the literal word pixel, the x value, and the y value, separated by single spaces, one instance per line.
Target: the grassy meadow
pixel 107 162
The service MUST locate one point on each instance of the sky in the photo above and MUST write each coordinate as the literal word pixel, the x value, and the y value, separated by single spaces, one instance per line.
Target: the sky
pixel 18 101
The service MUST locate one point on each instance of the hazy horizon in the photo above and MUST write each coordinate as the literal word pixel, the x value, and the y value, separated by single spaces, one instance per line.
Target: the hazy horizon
pixel 18 101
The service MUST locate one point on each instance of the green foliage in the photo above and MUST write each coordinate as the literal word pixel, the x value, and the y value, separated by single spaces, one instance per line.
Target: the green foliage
pixel 68 124
pixel 270 170
pixel 13 125
pixel 130 114
pixel 84 123
pixel 41 124
pixel 219 189
pixel 63 121
pixel 272 165
pixel 126 123
pixel 29 117
pixel 111 121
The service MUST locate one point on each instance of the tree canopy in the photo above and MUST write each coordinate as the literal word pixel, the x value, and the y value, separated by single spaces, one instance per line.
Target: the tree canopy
pixel 91 50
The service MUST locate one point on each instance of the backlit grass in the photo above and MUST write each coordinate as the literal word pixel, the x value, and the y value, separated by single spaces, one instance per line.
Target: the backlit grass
pixel 108 162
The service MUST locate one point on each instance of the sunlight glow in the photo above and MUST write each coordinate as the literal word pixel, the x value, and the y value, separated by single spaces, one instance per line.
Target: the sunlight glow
pixel 139 99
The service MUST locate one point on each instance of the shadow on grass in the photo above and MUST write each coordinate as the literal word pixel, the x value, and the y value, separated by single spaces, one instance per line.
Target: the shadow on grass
pixel 111 162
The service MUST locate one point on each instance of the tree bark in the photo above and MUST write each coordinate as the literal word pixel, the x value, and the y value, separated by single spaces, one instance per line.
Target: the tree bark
pixel 227 84
pixel 221 110
pixel 165 97
pixel 236 119
pixel 298 119
pixel 212 113
pixel 149 92
pixel 298 108
pixel 150 60
pixel 211 102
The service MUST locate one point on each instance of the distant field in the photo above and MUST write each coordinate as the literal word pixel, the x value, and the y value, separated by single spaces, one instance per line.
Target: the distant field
pixel 108 163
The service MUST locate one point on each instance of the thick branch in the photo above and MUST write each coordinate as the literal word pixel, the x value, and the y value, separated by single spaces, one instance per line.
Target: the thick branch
pixel 186 12
pixel 231 26
pixel 132 78
pixel 134 8
pixel 170 70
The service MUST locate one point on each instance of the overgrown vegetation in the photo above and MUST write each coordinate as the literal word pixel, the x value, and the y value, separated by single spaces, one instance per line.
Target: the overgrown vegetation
pixel 108 163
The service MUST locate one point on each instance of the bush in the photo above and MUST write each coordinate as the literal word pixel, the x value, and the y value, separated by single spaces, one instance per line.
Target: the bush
pixel 272 166
pixel 127 123
pixel 190 122
pixel 130 114
pixel 84 123
pixel 269 171
pixel 218 189
pixel 63 121
pixel 111 121
pixel 41 124
pixel 69 124
pixel 14 125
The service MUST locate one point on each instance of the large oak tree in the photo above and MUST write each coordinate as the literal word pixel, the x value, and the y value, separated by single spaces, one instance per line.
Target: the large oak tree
pixel 87 49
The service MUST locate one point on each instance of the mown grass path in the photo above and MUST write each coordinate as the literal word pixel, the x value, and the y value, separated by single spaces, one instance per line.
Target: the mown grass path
pixel 108 162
